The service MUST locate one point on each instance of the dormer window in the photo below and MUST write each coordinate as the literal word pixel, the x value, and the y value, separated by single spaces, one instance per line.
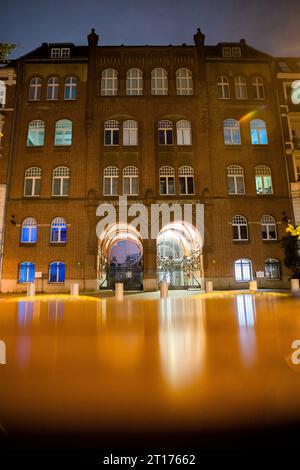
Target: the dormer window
pixel 55 53
pixel 236 52
pixel 226 51
pixel 65 53
pixel 60 53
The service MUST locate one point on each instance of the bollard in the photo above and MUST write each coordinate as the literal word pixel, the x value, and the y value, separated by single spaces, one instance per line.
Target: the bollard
pixel 164 290
pixel 75 289
pixel 209 286
pixel 119 291
pixel 253 285
pixel 295 285
pixel 30 289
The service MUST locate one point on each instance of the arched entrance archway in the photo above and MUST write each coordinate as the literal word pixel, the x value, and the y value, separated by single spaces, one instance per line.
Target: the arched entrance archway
pixel 120 257
pixel 179 255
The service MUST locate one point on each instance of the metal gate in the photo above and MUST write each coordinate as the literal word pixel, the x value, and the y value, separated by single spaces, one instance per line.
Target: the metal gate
pixel 130 276
pixel 180 274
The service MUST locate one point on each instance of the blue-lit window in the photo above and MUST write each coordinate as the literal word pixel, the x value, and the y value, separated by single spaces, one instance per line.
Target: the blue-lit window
pixel 232 132
pixel 243 270
pixel 58 230
pixel 258 130
pixel 36 134
pixel 57 272
pixel 26 272
pixel 63 132
pixel 29 231
pixel 70 88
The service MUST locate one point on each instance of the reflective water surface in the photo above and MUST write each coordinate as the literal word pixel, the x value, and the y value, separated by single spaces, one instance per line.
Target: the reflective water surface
pixel 202 362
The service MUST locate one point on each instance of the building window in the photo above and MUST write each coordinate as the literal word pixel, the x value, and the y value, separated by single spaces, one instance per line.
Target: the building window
pixel 232 132
pixel 36 134
pixel 70 88
pixel 52 88
pixel 61 181
pixel 258 131
pixel 239 228
pixel 258 88
pixel 226 51
pixel 165 132
pixel 111 178
pixel 236 51
pixel 57 272
pixel 35 89
pixel 65 52
pixel 29 231
pixel 235 180
pixel 58 230
pixel 184 82
pixel 240 88
pixel 134 82
pixel 184 132
pixel 272 269
pixel 223 88
pixel 263 179
pixel 109 82
pixel 111 133
pixel 32 181
pixel 55 53
pixel 186 180
pixel 167 180
pixel 63 132
pixel 268 228
pixel 26 272
pixel 243 270
pixel 130 180
pixel 2 93
pixel 159 82
pixel 130 132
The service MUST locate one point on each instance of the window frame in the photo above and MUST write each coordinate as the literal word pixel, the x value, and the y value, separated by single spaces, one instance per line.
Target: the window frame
pixel 157 90
pixel 33 178
pixel 186 79
pixel 239 221
pixel 62 178
pixel 243 265
pixel 167 173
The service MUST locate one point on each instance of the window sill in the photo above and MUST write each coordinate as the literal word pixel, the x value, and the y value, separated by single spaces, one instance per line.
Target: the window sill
pixel 27 244
pixel 61 148
pixel 57 243
pixel 32 196
pixel 242 242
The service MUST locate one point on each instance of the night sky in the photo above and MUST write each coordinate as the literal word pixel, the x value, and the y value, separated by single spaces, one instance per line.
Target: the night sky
pixel 269 25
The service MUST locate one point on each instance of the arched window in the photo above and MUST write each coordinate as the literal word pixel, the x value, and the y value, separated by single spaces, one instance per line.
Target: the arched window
pixel 110 184
pixel 263 179
pixel 63 132
pixel 268 228
pixel 26 272
pixel 109 82
pixel 186 180
pixel 235 180
pixel 57 272
pixel 36 134
pixel 243 270
pixel 52 88
pixel 223 88
pixel 130 132
pixel 169 249
pixel 239 228
pixel 35 89
pixel 2 93
pixel 61 181
pixel 29 231
pixel 232 132
pixel 159 82
pixel 134 82
pixel 165 132
pixel 130 180
pixel 240 88
pixel 111 133
pixel 70 88
pixel 258 88
pixel 184 82
pixel 167 180
pixel 272 269
pixel 184 132
pixel 258 131
pixel 58 230
pixel 32 181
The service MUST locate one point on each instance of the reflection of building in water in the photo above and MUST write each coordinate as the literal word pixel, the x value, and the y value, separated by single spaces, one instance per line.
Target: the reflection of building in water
pixel 246 320
pixel 55 310
pixel 25 312
pixel 182 340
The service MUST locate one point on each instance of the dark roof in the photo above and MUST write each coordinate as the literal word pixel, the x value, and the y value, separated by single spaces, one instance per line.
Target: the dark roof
pixel 288 64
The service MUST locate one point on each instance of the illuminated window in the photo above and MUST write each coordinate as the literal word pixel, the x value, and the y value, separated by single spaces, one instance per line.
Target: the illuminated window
pixel 240 88
pixel 239 228
pixel 131 180
pixel 268 228
pixel 32 181
pixel 110 183
pixel 223 88
pixel 159 82
pixel 263 179
pixel 57 272
pixel 272 269
pixel 167 180
pixel 70 88
pixel 165 132
pixel 36 134
pixel 63 132
pixel 184 82
pixel 258 131
pixel 35 89
pixel 58 230
pixel 258 88
pixel 232 132
pixel 2 93
pixel 52 89
pixel 186 180
pixel 111 133
pixel 26 272
pixel 235 180
pixel 130 132
pixel 109 82
pixel 29 231
pixel 184 132
pixel 61 181
pixel 243 270
pixel 134 82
